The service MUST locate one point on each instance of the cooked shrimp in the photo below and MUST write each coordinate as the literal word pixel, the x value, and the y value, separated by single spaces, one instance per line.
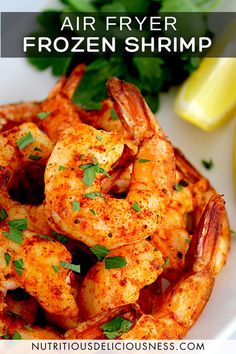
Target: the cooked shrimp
pixel 40 272
pixel 183 301
pixel 104 289
pixel 102 219
pixel 13 327
pixel 12 115
pixel 62 113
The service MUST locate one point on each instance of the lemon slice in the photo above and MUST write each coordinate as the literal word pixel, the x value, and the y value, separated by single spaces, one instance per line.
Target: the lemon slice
pixel 208 97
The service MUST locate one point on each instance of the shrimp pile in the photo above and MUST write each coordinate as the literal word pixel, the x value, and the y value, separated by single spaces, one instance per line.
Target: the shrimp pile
pixel 95 215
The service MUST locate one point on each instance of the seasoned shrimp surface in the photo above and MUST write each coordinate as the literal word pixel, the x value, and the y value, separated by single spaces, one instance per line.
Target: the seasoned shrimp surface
pixel 104 289
pixel 100 218
pixel 39 277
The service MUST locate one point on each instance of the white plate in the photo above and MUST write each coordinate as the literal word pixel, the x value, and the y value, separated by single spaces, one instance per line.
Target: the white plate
pixel 19 81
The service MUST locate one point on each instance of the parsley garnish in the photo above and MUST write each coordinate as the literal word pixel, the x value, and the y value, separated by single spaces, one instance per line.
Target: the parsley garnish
pixel 25 141
pixel 28 328
pixel 16 335
pixel 178 187
pixel 114 115
pixel 99 251
pixel 34 157
pixel 116 327
pixel 19 224
pixel 46 237
pixel 93 195
pixel 115 262
pixel 187 240
pixel 14 235
pixel 55 268
pixel 19 265
pixel 37 149
pixel 61 238
pixel 208 164
pixel 166 263
pixel 90 170
pixel 76 206
pixel 61 168
pixel 74 267
pixel 43 115
pixel 3 214
pixel 93 211
pixel 136 207
pixel 99 138
pixel 143 160
pixel 7 258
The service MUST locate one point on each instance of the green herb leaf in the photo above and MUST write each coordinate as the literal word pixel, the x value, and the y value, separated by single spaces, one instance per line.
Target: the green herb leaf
pixel 46 237
pixel 60 168
pixel 28 328
pixel 143 160
pixel 114 115
pixel 19 265
pixel 38 149
pixel 178 187
pixel 19 224
pixel 25 141
pixel 166 263
pixel 3 214
pixel 136 207
pixel 74 267
pixel 93 211
pixel 93 195
pixel 16 335
pixel 7 258
pixel 99 251
pixel 14 235
pixel 55 268
pixel 61 238
pixel 116 327
pixel 76 206
pixel 99 138
pixel 208 164
pixel 187 240
pixel 34 157
pixel 115 262
pixel 43 115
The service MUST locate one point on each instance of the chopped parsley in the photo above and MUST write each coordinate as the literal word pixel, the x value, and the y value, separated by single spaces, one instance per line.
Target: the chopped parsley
pixel 90 170
pixel 99 251
pixel 55 268
pixel 61 168
pixel 3 214
pixel 74 267
pixel 7 258
pixel 37 149
pixel 116 327
pixel 14 235
pixel 19 224
pixel 25 141
pixel 61 238
pixel 178 187
pixel 16 335
pixel 136 207
pixel 43 115
pixel 76 206
pixel 93 211
pixel 166 263
pixel 34 157
pixel 208 164
pixel 99 138
pixel 187 240
pixel 46 237
pixel 143 160
pixel 93 195
pixel 115 262
pixel 19 265
pixel 114 115
pixel 28 328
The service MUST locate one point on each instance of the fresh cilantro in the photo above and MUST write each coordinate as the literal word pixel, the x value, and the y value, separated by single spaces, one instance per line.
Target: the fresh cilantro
pixel 178 187
pixel 25 141
pixel 19 224
pixel 74 267
pixel 43 115
pixel 93 195
pixel 61 168
pixel 28 328
pixel 166 263
pixel 136 207
pixel 208 164
pixel 99 138
pixel 46 237
pixel 38 149
pixel 93 211
pixel 7 258
pixel 76 206
pixel 116 327
pixel 34 157
pixel 3 214
pixel 99 251
pixel 19 265
pixel 61 238
pixel 187 240
pixel 114 115
pixel 16 335
pixel 115 262
pixel 90 170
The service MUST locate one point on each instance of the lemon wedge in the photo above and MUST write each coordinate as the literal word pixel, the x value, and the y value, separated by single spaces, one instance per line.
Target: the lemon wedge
pixel 208 97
